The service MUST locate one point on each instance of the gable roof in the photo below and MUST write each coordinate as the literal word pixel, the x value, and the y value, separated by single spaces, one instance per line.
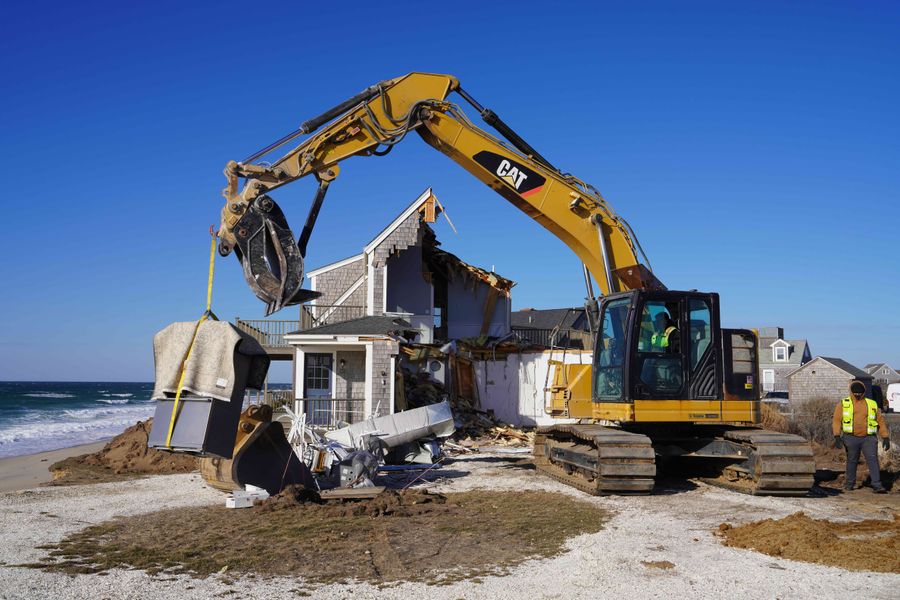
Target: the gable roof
pixel 545 318
pixel 416 205
pixel 370 325
pixel 872 368
pixel 334 265
pixel 794 358
pixel 843 365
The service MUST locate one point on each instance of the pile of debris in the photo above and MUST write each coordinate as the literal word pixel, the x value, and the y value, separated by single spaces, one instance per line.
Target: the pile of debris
pixel 125 456
pixel 474 427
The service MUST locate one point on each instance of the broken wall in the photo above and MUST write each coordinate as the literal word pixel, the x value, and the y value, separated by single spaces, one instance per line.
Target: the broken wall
pixel 513 386
pixel 465 310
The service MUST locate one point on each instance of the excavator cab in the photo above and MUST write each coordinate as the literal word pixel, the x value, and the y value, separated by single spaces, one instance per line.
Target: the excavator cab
pixel 664 347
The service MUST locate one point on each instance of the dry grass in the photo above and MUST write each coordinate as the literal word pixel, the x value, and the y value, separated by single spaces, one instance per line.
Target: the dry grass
pixel 464 535
pixel 813 421
pixel 773 420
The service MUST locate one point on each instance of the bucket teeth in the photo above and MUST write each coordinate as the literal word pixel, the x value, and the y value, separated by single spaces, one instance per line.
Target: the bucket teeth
pixel 269 256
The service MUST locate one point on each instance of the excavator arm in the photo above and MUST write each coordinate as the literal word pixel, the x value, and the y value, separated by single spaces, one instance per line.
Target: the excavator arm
pixel 370 124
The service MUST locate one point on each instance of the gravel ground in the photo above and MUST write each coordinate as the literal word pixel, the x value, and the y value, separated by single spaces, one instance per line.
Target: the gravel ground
pixel 673 527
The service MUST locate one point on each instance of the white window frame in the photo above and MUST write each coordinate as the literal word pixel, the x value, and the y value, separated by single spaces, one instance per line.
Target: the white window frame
pixel 784 355
pixel 768 380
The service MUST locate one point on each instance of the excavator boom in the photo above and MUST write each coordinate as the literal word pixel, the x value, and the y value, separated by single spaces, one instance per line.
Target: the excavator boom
pixel 370 124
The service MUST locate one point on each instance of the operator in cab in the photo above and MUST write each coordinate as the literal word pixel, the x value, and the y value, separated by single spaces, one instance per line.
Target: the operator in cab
pixel 856 423
pixel 665 336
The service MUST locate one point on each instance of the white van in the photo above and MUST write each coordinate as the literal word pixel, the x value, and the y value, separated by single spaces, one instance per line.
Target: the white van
pixel 892 398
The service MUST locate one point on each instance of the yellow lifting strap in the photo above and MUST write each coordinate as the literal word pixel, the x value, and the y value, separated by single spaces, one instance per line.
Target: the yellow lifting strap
pixel 208 313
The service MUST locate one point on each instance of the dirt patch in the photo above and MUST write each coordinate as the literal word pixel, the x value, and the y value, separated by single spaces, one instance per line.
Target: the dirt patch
pixel 400 536
pixel 871 545
pixel 126 456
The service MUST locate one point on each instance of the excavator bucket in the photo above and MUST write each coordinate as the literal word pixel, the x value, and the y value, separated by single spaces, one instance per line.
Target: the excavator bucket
pixel 270 258
pixel 262 457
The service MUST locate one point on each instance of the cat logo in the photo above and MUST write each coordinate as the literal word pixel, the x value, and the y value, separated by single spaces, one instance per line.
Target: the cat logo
pixel 511 174
pixel 515 175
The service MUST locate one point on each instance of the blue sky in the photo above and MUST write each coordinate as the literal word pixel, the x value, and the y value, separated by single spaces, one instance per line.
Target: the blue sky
pixel 753 147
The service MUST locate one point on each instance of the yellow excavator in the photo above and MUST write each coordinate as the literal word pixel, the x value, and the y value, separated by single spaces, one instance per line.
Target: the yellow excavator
pixel 666 380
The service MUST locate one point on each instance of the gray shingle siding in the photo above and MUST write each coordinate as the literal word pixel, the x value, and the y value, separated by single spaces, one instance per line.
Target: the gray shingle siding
pixel 377 307
pixel 405 235
pixel 381 384
pixel 332 284
pixel 350 380
pixel 821 379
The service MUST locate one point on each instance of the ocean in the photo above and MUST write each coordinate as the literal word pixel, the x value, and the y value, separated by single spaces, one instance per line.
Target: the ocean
pixel 41 416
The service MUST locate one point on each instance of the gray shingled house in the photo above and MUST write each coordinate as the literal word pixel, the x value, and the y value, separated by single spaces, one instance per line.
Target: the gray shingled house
pixel 401 288
pixel 882 374
pixel 824 377
pixel 778 358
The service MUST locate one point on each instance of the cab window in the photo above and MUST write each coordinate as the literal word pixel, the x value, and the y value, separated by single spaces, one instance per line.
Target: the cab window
pixel 610 352
pixel 659 350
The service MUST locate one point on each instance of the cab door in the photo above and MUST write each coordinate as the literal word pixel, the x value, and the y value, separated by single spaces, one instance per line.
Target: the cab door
pixel 658 366
pixel 676 355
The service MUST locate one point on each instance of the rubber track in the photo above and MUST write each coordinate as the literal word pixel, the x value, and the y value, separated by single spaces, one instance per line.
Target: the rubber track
pixel 782 464
pixel 625 461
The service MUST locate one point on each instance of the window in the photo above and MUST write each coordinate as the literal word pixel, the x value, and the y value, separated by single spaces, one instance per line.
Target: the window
pixel 438 317
pixel 780 354
pixel 768 380
pixel 610 352
pixel 659 350
pixel 700 331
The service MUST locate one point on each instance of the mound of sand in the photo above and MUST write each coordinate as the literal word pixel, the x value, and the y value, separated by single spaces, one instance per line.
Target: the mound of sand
pixel 125 456
pixel 871 545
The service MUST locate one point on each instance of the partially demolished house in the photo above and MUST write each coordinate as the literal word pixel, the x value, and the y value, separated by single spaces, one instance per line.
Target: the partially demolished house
pixel 402 290
pixel 404 324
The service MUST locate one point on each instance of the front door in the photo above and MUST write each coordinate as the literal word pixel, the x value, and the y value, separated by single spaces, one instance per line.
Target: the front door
pixel 317 388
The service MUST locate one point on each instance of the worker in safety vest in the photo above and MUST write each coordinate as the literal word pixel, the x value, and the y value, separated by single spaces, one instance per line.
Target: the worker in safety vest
pixel 665 336
pixel 856 423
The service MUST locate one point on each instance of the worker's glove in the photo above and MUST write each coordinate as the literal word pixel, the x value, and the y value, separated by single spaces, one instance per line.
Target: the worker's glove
pixel 838 442
pixel 886 443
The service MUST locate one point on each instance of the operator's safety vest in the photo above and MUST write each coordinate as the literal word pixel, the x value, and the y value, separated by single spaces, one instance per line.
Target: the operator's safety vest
pixel 661 340
pixel 847 421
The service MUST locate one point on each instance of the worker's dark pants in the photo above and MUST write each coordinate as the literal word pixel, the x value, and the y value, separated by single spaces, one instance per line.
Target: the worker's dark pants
pixel 869 447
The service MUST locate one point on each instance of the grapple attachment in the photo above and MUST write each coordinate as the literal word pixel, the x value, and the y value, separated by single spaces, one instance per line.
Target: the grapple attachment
pixel 270 257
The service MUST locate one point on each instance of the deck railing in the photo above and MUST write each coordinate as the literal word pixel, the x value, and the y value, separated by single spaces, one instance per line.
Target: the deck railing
pixel 316 315
pixel 555 338
pixel 332 413
pixel 268 332
pixel 274 398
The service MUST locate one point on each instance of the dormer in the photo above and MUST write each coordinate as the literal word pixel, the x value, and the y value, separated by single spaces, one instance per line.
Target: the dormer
pixel 781 351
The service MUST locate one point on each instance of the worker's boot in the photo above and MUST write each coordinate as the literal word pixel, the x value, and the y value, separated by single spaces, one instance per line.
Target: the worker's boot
pixel 879 489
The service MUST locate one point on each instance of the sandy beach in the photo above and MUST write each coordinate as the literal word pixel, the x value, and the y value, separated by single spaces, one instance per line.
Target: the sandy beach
pixel 675 528
pixel 31 470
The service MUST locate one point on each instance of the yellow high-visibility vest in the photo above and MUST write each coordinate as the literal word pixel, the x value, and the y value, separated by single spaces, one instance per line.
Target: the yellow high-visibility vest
pixel 847 420
pixel 660 341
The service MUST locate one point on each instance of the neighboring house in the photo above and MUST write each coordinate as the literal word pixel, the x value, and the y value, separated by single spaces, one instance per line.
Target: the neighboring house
pixel 882 374
pixel 824 377
pixel 778 358
pixel 553 327
pixel 401 289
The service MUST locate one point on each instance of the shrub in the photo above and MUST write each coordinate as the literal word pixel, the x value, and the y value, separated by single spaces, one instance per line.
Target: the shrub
pixel 773 420
pixel 813 420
